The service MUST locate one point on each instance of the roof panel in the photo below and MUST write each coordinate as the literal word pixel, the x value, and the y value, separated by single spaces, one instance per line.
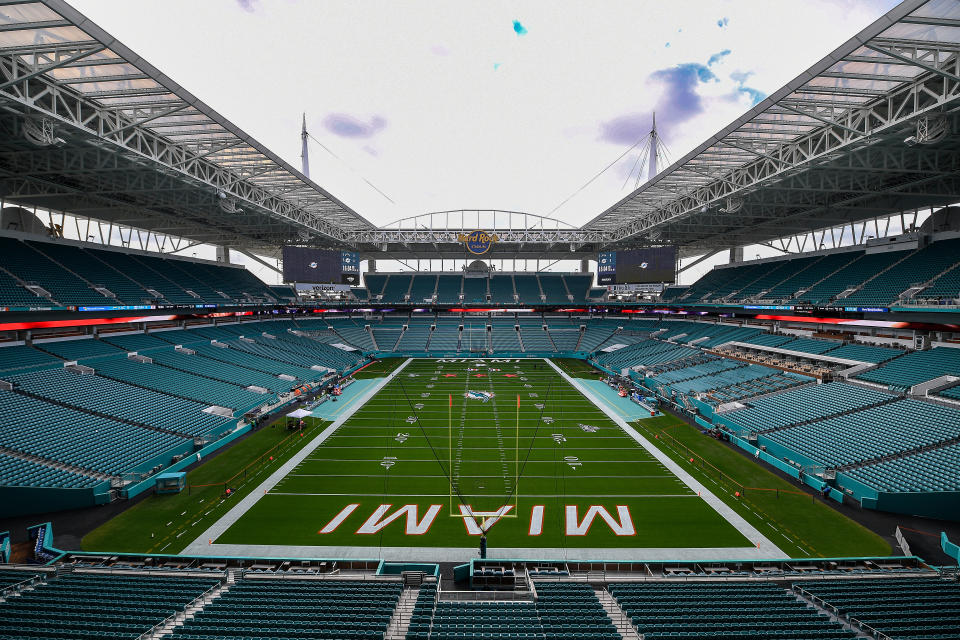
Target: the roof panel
pixel 48 33
pixel 27 12
pixel 11 39
pixel 902 48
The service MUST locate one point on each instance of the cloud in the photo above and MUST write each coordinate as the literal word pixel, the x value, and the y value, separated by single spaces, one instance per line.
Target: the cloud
pixel 347 126
pixel 625 129
pixel 717 57
pixel 248 5
pixel 439 50
pixel 678 103
pixel 679 100
pixel 722 22
pixel 519 29
pixel 741 77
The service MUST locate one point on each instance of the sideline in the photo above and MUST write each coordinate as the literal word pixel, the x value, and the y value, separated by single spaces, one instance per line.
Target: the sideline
pixel 201 545
pixel 761 544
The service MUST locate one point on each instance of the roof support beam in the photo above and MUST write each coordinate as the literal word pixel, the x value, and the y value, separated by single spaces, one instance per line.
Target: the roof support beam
pixel 916 63
pixel 50 67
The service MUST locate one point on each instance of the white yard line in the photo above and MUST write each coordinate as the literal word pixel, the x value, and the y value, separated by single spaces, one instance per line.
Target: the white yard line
pixel 750 532
pixel 202 546
pixel 763 549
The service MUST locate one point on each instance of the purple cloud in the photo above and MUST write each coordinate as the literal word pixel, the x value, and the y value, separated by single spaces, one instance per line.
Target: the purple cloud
pixel 248 5
pixel 347 126
pixel 439 50
pixel 678 102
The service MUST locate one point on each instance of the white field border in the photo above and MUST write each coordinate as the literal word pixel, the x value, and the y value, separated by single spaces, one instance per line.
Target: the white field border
pixel 760 542
pixel 202 546
pixel 763 548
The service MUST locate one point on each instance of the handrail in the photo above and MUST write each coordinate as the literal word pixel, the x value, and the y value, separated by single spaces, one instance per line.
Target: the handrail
pixel 172 616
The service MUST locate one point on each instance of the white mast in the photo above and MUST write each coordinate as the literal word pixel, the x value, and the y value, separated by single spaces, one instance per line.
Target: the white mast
pixel 654 149
pixel 304 152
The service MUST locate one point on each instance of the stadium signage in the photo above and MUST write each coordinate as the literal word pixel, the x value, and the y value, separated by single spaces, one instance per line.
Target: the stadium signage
pixel 477 242
pixel 574 524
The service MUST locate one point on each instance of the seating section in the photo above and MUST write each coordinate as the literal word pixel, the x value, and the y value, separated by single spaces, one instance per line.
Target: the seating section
pixel 645 352
pixel 578 285
pixel 475 290
pixel 446 336
pixel 774 274
pixel 22 357
pixel 89 605
pixel 768 340
pixel 478 621
pixel 872 433
pixel 355 334
pixel 375 284
pixel 810 402
pixel 396 288
pixel 808 345
pixel 854 274
pixel 52 432
pixel 816 269
pixel 729 610
pixel 504 337
pixel 422 288
pixel 572 610
pixel 94 271
pixel 933 470
pixel 554 288
pixel 13 294
pixel 946 287
pixel 123 401
pixel 865 353
pixel 10 578
pixel 918 268
pixel 32 267
pixel 284 608
pixel 915 367
pixel 17 472
pixel 901 608
pixel 879 279
pixel 415 337
pixel 448 289
pixel 72 274
pixel 81 350
pixel 528 289
pixel 501 289
pixel 179 383
pixel 536 339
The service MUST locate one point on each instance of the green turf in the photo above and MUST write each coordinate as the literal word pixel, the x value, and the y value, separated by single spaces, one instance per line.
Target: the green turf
pixel 799 524
pixel 578 368
pixel 568 455
pixel 379 369
pixel 187 514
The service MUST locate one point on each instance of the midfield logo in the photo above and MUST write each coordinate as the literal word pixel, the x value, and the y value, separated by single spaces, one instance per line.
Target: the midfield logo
pixel 482 396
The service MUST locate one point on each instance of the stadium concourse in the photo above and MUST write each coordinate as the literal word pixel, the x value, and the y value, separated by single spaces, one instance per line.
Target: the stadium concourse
pixel 771 450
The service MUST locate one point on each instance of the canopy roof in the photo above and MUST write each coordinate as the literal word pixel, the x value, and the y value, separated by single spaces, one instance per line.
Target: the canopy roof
pixel 827 148
pixel 74 94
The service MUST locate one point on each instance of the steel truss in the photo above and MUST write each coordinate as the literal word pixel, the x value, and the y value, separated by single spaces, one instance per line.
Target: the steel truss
pixel 818 149
pixel 102 100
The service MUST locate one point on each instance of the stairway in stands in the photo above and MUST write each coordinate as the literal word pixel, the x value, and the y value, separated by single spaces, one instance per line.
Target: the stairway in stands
pixel 617 615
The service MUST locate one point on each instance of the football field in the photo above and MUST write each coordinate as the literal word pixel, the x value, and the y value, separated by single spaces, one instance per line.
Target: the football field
pixel 446 449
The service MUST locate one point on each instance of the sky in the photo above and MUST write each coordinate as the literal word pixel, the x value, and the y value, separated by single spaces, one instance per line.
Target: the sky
pixel 431 106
